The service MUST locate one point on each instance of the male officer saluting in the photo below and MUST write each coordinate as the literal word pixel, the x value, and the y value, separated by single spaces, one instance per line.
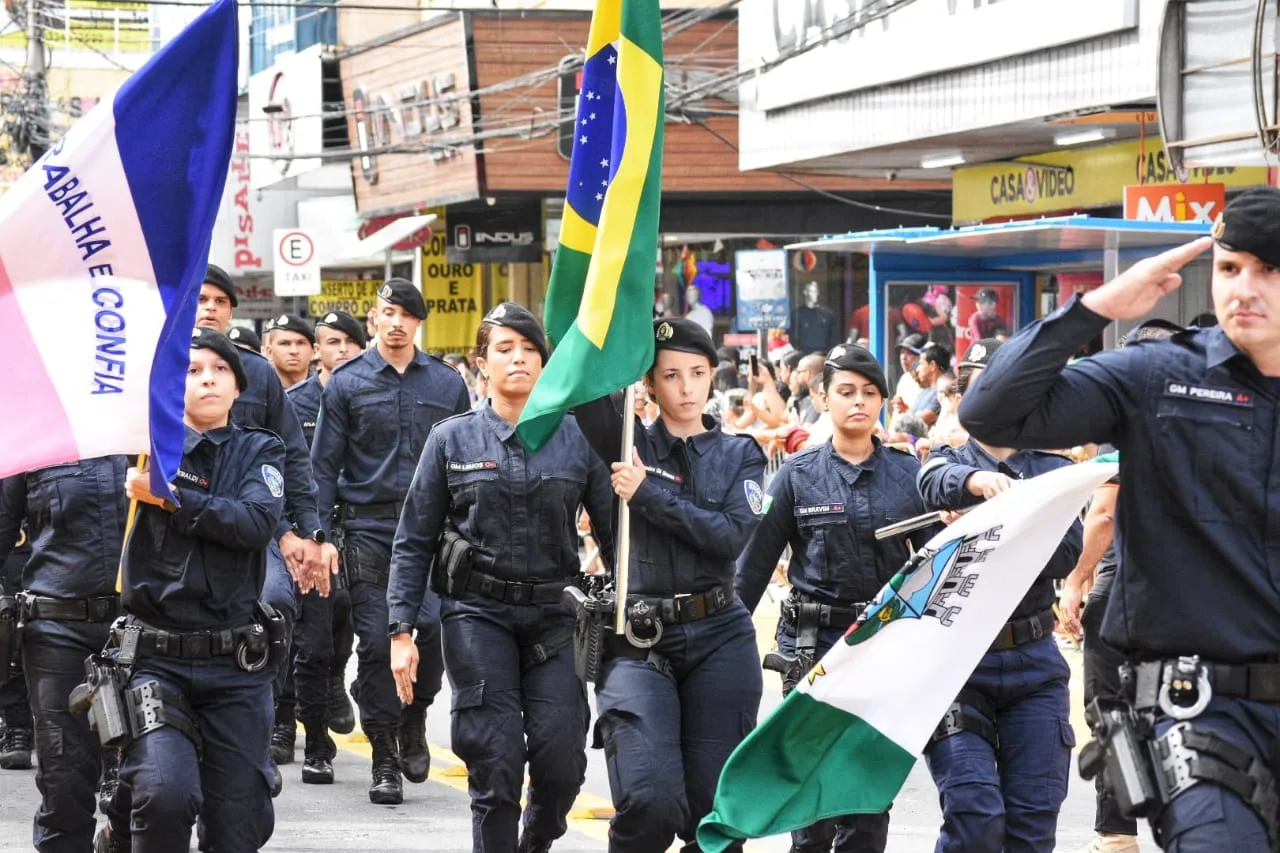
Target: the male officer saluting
pixel 322 639
pixel 377 411
pixel 1197 602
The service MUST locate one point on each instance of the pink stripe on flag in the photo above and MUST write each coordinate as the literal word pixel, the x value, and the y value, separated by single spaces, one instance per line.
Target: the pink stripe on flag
pixel 34 432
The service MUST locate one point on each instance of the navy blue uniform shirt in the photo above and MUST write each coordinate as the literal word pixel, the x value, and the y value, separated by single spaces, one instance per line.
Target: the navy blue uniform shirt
pixel 1196 424
pixel 942 485
pixel 305 397
pixel 698 505
pixel 263 405
pixel 373 424
pixel 77 513
pixel 203 566
pixel 517 510
pixel 828 509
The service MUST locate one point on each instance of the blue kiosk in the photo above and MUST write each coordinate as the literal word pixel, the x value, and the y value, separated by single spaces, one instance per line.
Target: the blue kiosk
pixel 934 280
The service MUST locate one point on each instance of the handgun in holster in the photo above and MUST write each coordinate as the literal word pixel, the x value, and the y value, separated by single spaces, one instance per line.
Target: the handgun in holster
pixel 339 537
pixel 1121 751
pixel 103 695
pixel 9 633
pixel 806 618
pixel 451 570
pixel 272 621
pixel 592 612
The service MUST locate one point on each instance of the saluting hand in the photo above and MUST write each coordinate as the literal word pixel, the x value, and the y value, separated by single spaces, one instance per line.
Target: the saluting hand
pixel 404 665
pixel 627 477
pixel 1135 292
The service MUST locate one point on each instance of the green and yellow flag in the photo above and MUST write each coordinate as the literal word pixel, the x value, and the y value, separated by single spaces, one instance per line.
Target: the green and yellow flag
pixel 600 297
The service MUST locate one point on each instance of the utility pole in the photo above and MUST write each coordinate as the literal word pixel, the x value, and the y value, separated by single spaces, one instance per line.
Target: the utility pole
pixel 38 127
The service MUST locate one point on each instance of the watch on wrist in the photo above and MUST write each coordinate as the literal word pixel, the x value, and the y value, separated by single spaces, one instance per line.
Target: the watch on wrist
pixel 317 536
pixel 396 628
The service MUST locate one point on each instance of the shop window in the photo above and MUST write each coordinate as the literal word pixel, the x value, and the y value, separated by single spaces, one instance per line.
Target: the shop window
pixel 953 315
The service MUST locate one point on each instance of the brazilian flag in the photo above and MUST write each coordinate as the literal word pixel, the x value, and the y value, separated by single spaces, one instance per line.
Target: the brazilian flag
pixel 600 297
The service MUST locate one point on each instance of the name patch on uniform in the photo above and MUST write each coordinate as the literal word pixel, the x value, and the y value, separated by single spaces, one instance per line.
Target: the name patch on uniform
pixel 463 467
pixel 308 424
pixel 666 475
pixel 819 509
pixel 274 481
pixel 755 496
pixel 193 479
pixel 1204 394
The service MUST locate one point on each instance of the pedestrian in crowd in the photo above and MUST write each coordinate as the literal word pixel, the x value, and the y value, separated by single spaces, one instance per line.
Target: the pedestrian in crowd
pixel 516 698
pixel 75 514
pixel 376 413
pixel 298 553
pixel 934 363
pixel 800 406
pixel 826 504
pixel 1001 757
pixel 1194 603
pixel 291 345
pixel 908 389
pixel 194 571
pixel 324 635
pixel 671 712
pixel 986 321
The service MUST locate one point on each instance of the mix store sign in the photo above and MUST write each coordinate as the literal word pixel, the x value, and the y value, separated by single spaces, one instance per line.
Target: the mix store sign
pixel 1070 180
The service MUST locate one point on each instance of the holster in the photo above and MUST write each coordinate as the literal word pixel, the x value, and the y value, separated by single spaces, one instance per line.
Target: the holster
pixel 104 695
pixel 806 616
pixel 9 634
pixel 339 542
pixel 273 624
pixel 451 570
pixel 592 614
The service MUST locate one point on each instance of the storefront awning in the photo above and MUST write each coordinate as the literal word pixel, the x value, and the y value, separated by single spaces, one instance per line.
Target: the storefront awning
pixel 386 237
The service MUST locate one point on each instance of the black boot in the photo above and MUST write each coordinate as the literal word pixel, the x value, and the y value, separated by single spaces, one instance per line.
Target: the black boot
pixel 15 748
pixel 284 737
pixel 387 789
pixel 341 718
pixel 531 843
pixel 318 754
pixel 415 759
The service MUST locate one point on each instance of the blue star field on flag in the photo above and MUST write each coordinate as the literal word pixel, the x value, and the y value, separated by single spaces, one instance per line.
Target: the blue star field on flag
pixel 592 167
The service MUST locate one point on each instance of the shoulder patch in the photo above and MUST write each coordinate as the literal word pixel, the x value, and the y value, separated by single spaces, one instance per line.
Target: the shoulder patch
pixel 274 481
pixel 755 496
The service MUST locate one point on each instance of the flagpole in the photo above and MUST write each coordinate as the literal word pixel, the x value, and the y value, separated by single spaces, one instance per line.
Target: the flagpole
pixel 621 571
pixel 128 528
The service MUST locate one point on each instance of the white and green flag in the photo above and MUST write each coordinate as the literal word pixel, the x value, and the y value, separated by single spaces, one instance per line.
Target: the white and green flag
pixel 844 741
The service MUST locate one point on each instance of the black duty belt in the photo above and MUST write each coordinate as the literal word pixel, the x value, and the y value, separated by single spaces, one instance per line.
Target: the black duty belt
pixel 516 592
pixel 1259 682
pixel 690 608
pixel 188 645
pixel 371 512
pixel 829 615
pixel 1016 632
pixel 100 609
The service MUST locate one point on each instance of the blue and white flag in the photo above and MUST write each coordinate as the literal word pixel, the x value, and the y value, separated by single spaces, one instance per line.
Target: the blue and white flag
pixel 103 247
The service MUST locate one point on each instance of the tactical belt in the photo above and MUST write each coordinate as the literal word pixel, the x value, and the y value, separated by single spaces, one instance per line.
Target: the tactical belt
pixel 371 512
pixel 829 615
pixel 689 608
pixel 152 706
pixel 1259 682
pixel 101 609
pixel 189 645
pixel 516 592
pixel 1017 632
pixel 971 712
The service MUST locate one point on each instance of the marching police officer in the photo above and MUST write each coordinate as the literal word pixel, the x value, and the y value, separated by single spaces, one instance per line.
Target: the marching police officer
pixel 672 706
pixel 516 697
pixel 1196 603
pixel 16 737
pixel 323 635
pixel 291 344
pixel 245 338
pixel 827 503
pixel 299 550
pixel 1001 758
pixel 377 411
pixel 75 514
pixel 195 638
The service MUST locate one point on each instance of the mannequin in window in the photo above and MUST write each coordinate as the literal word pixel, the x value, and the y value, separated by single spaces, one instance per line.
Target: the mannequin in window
pixel 814 327
pixel 697 312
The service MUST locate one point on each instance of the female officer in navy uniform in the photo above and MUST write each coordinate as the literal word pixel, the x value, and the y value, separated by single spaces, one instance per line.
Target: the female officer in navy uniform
pixel 670 714
pixel 507 638
pixel 826 503
pixel 193 574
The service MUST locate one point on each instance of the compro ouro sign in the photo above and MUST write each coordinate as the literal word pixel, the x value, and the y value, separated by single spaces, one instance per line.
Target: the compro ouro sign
pixel 285 118
pixel 297 271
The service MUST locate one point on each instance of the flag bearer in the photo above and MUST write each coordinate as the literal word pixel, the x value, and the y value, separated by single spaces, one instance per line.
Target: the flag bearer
pixel 670 713
pixel 507 637
pixel 1196 603
pixel 377 412
pixel 826 503
pixel 1002 755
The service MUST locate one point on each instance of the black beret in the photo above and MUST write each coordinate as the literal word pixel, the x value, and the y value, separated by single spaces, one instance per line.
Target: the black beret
pixel 1251 223
pixel 209 339
pixel 913 342
pixel 397 291
pixel 979 353
pixel 860 361
pixel 293 323
pixel 244 337
pixel 683 335
pixel 515 316
pixel 218 277
pixel 345 323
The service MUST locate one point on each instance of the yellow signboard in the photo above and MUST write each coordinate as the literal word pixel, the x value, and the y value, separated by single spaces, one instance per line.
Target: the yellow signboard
pixel 454 294
pixel 356 297
pixel 78 25
pixel 1067 180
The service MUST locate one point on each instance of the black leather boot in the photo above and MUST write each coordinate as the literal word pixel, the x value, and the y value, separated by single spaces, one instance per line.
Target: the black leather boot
pixel 341 718
pixel 415 759
pixel 387 789
pixel 318 754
